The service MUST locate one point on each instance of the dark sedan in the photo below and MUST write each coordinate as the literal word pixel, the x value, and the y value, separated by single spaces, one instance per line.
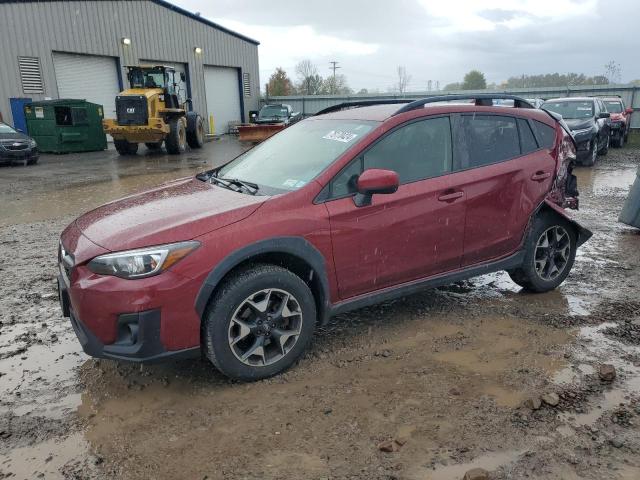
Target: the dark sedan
pixel 589 122
pixel 16 147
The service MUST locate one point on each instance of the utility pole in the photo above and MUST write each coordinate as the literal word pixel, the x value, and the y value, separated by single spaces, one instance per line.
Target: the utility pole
pixel 334 66
pixel 429 84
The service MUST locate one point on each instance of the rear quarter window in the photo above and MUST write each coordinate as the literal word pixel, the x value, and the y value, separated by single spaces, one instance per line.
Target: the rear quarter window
pixel 546 135
pixel 527 140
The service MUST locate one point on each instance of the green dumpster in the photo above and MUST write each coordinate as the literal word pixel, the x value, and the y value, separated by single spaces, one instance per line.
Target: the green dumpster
pixel 66 125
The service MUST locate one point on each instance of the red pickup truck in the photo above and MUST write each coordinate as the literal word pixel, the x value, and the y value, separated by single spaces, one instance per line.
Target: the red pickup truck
pixel 620 120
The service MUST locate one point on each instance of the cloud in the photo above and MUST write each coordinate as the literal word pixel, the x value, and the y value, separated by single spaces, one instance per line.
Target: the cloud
pixel 436 40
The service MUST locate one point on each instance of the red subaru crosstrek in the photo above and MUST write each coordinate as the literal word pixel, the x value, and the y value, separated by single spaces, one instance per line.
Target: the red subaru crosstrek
pixel 357 205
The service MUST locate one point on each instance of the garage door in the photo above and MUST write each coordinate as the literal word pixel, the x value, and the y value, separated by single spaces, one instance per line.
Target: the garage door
pixel 88 77
pixel 223 96
pixel 179 68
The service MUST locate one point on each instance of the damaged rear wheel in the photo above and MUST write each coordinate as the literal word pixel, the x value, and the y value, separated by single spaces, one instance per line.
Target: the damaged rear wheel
pixel 550 253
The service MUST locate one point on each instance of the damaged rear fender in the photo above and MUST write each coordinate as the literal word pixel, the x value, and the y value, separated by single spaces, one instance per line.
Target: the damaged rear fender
pixel 582 234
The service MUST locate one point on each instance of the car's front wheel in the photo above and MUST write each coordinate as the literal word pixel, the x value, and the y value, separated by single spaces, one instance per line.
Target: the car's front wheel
pixel 549 256
pixel 593 154
pixel 259 322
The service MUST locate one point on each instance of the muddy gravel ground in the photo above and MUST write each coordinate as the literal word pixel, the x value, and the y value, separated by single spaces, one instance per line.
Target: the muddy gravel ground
pixel 448 379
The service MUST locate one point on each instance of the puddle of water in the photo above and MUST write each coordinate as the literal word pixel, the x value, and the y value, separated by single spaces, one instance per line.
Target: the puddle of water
pixel 42 379
pixel 596 348
pixel 489 462
pixel 46 458
pixel 605 182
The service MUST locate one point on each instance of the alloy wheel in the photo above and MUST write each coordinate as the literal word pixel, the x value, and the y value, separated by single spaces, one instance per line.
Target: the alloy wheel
pixel 265 327
pixel 552 254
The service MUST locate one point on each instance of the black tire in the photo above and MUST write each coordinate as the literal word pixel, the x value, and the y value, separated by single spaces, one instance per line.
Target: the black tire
pixel 232 297
pixel 605 149
pixel 195 130
pixel 620 141
pixel 176 141
pixel 528 275
pixel 33 161
pixel 125 148
pixel 593 155
pixel 154 146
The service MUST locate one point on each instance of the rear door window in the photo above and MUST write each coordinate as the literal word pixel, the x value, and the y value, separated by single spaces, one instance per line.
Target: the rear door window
pixel 545 134
pixel 489 139
pixel 527 140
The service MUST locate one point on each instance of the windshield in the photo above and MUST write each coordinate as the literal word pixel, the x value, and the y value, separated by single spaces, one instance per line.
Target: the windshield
pixel 571 109
pixel 4 128
pixel 273 111
pixel 147 78
pixel 293 157
pixel 613 106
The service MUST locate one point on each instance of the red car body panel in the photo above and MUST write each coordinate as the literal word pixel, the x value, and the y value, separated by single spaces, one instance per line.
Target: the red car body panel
pixel 469 217
pixel 169 213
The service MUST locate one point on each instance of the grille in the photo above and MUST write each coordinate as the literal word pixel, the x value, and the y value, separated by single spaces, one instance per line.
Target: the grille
pixel 15 145
pixel 132 110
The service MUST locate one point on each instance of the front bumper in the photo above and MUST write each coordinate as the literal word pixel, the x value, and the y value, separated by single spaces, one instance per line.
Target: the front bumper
pixel 138 337
pixel 19 156
pixel 155 131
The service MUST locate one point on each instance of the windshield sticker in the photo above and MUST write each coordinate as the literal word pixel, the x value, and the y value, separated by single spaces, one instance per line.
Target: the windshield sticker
pixel 291 182
pixel 339 136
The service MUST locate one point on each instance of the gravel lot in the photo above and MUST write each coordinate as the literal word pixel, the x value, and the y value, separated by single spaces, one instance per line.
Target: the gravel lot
pixel 448 375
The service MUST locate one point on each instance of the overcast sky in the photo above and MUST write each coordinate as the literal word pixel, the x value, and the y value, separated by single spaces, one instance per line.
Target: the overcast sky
pixel 435 40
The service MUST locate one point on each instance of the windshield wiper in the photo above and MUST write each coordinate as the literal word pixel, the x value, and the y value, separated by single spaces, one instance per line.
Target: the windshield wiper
pixel 221 182
pixel 251 187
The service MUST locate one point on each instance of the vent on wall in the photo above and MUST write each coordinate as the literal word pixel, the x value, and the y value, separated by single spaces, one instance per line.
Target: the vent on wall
pixel 246 85
pixel 30 74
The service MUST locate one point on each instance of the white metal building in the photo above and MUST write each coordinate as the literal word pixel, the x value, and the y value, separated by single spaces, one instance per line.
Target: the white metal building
pixel 78 49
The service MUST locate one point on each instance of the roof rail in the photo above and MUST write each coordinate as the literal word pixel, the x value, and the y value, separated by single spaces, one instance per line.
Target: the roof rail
pixel 361 103
pixel 518 102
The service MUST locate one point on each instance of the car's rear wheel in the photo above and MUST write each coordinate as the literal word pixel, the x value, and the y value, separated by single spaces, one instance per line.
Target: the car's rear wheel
pixel 620 140
pixel 259 322
pixel 550 253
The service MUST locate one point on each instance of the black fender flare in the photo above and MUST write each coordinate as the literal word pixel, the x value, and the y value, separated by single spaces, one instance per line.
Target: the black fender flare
pixel 295 246
pixel 582 234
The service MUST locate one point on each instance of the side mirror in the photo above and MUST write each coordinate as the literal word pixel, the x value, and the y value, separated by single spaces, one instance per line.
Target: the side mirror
pixel 629 111
pixel 375 181
pixel 604 115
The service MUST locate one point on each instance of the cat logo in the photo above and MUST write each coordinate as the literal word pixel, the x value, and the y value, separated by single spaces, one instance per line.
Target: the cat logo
pixel 131 110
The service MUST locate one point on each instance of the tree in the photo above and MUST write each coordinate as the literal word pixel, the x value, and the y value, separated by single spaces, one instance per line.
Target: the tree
pixel 336 85
pixel 474 80
pixel 309 82
pixel 554 80
pixel 363 91
pixel 403 79
pixel 612 71
pixel 279 84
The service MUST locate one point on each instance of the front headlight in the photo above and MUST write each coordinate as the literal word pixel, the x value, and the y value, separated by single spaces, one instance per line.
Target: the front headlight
pixel 581 131
pixel 142 262
pixel 32 143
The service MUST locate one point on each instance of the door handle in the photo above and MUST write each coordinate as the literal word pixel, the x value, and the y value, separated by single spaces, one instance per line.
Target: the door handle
pixel 451 196
pixel 539 176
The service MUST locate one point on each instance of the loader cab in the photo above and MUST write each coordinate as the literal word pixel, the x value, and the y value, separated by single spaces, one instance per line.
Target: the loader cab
pixel 159 76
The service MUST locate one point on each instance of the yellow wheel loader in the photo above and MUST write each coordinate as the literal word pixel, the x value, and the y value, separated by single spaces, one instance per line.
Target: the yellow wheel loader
pixel 149 112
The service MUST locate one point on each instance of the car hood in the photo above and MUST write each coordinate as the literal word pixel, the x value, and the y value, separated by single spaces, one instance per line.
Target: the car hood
pixel 14 136
pixel 176 211
pixel 579 123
